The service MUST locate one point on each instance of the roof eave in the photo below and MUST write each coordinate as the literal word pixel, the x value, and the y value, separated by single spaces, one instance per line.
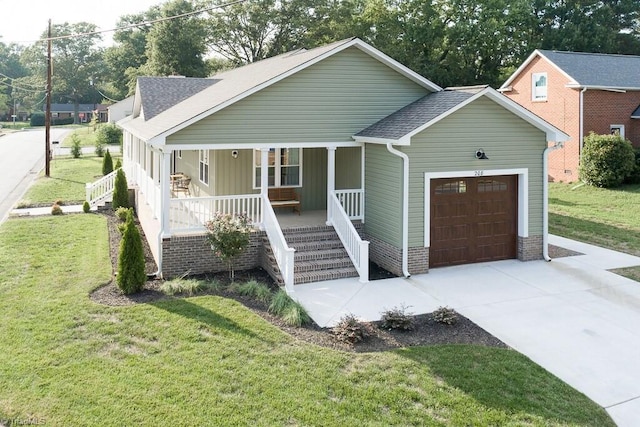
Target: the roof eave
pixel 403 141
pixel 598 87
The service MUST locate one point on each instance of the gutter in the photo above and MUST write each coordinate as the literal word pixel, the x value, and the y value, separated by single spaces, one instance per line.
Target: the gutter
pixel 545 198
pixel 405 208
pixel 581 118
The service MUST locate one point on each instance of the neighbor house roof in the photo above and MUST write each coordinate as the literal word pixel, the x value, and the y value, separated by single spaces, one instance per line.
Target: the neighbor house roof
pixel 231 86
pixel 591 70
pixel 399 127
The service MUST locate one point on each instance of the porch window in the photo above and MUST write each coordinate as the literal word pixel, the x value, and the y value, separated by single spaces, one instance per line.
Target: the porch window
pixel 204 166
pixel 539 86
pixel 285 167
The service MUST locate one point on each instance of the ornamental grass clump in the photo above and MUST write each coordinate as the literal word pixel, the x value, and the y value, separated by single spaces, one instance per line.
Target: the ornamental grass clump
pixel 228 236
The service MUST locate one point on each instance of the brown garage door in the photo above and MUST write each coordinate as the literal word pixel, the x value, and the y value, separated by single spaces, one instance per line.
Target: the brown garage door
pixel 473 219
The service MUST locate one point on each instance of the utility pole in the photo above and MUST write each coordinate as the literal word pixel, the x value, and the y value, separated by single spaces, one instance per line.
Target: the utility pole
pixel 47 117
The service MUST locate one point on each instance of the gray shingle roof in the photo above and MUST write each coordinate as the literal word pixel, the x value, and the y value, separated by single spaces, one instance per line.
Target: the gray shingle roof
pixel 598 69
pixel 418 113
pixel 158 94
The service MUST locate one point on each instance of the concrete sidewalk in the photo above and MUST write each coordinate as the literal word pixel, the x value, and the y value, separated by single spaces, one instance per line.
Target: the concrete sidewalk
pixel 571 315
pixel 46 210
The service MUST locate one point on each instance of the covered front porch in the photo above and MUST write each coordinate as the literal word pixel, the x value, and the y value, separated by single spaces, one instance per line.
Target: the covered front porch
pixel 219 175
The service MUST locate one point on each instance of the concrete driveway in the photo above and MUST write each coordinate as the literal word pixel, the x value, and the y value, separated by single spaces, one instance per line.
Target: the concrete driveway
pixel 570 316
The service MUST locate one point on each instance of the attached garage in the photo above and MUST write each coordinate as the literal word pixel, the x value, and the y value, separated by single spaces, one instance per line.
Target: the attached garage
pixel 473 219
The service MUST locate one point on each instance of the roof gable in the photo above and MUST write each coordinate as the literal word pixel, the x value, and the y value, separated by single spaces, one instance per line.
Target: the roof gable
pixel 431 109
pixel 233 85
pixel 594 70
pixel 158 94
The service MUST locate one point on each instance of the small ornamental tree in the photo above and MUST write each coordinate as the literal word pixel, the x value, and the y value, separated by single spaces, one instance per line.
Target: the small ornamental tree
pixel 229 237
pixel 107 163
pixel 606 160
pixel 120 191
pixel 131 276
pixel 76 148
pixel 118 164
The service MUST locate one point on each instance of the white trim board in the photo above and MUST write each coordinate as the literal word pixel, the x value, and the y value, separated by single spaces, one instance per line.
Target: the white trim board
pixel 523 195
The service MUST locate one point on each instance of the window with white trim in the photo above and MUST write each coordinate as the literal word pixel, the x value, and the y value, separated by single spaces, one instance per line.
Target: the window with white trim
pixel 284 167
pixel 204 166
pixel 617 130
pixel 539 86
pixel 179 154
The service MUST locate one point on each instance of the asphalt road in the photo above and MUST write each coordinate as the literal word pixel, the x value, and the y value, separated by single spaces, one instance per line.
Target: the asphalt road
pixel 21 159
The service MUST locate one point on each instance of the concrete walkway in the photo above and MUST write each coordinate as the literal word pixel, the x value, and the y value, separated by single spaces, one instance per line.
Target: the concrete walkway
pixel 46 210
pixel 570 316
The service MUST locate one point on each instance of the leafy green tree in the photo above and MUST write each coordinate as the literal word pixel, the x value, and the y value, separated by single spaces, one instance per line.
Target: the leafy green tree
pixel 76 147
pixel 107 163
pixel 120 191
pixel 131 275
pixel 11 70
pixel 177 46
pixel 229 237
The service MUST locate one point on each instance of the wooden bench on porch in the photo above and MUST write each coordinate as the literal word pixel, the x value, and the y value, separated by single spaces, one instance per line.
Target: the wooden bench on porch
pixel 284 197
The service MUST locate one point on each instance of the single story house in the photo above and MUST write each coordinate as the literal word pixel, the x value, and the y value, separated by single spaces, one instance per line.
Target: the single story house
pixel 579 93
pixel 120 110
pixel 381 163
pixel 85 112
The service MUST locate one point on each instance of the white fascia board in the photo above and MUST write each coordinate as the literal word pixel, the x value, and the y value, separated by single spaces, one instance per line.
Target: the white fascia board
pixel 355 42
pixel 524 65
pixel 404 141
pixel 607 88
pixel 227 146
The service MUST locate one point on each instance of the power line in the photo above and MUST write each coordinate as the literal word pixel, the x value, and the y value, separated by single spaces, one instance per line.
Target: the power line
pixel 12 79
pixel 22 88
pixel 141 24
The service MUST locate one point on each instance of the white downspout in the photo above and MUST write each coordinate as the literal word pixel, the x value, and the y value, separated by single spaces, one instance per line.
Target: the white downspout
pixel 545 198
pixel 405 208
pixel 581 118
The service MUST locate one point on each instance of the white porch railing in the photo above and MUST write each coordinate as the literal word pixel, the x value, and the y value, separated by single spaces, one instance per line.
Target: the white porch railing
pixel 353 202
pixel 282 252
pixel 101 190
pixel 190 214
pixel 357 248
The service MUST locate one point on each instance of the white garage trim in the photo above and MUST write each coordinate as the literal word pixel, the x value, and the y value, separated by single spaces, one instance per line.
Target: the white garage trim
pixel 523 195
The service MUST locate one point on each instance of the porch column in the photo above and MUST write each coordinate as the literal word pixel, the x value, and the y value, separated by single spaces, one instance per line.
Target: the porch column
pixel 264 171
pixel 331 179
pixel 147 171
pixel 165 193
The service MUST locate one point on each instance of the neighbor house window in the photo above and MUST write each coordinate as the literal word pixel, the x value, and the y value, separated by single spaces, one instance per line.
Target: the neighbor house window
pixel 617 130
pixel 204 166
pixel 284 167
pixel 539 86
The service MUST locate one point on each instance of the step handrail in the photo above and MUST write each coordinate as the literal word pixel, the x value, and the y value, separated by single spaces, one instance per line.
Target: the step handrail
pixel 283 254
pixel 357 248
pixel 101 189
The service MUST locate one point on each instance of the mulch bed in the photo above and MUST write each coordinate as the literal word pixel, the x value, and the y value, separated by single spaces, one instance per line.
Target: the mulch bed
pixel 426 331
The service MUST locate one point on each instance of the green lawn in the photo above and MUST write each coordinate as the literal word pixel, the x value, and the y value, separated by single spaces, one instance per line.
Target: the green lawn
pixel 86 134
pixel 210 361
pixel 66 182
pixel 604 217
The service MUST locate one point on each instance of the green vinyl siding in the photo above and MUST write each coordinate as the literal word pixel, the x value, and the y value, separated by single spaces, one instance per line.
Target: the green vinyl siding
pixel 450 145
pixel 383 201
pixel 348 169
pixel 327 102
pixel 314 179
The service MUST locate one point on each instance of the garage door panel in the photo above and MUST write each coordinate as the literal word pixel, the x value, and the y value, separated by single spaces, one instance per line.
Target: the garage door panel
pixel 473 220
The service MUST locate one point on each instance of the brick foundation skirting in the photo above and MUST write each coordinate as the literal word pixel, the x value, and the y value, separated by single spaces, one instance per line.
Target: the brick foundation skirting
pixel 389 257
pixel 192 254
pixel 529 248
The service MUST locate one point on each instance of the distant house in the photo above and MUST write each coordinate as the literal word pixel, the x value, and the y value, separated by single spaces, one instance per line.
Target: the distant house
pixel 401 171
pixel 579 93
pixel 85 112
pixel 120 109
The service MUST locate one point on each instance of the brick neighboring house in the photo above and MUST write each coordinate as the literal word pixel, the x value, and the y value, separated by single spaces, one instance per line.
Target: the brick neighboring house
pixel 85 112
pixel 579 93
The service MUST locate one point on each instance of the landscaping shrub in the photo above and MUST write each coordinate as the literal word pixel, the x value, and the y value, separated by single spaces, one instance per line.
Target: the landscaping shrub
pixel 65 121
pixel 255 290
pixel 228 236
pixel 37 119
pixel 56 209
pixel 634 176
pixel 445 315
pixel 120 191
pixel 397 318
pixel 99 148
pixel 606 160
pixel 108 134
pixel 76 148
pixel 122 213
pixel 86 208
pixel 118 164
pixel 131 276
pixel 107 163
pixel 351 330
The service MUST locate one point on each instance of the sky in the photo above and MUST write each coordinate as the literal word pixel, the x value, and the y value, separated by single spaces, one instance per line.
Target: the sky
pixel 24 22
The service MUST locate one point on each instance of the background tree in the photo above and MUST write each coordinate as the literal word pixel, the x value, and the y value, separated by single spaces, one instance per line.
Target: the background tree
pixel 177 46
pixel 11 71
